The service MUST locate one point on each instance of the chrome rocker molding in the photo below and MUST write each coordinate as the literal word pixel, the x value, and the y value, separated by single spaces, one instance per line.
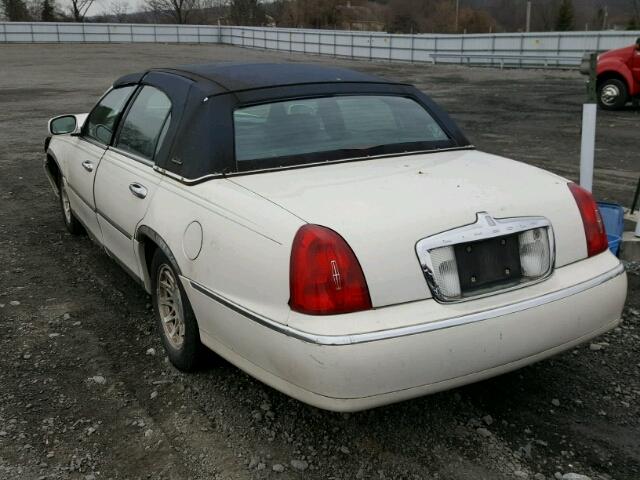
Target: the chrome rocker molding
pixel 356 338
pixel 483 228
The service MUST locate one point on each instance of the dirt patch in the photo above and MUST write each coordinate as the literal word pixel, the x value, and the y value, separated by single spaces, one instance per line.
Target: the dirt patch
pixel 86 391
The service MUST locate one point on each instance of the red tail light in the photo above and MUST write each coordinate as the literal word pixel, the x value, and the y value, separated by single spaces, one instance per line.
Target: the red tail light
pixel 325 277
pixel 591 219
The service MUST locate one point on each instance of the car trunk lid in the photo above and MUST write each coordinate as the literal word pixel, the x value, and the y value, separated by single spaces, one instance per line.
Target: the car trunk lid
pixel 382 207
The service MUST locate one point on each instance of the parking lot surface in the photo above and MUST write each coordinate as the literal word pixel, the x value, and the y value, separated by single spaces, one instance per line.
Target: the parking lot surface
pixel 87 393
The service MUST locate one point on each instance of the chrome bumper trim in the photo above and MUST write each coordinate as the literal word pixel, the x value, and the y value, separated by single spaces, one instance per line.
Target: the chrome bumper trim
pixel 356 338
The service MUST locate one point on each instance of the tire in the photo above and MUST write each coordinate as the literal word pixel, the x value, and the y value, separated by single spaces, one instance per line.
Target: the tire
pixel 175 319
pixel 613 94
pixel 70 221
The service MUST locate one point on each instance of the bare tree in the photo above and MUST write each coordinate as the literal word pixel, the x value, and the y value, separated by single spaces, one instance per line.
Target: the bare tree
pixel 177 11
pixel 79 9
pixel 118 9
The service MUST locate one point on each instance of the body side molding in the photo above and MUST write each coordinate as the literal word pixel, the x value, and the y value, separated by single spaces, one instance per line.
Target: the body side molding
pixel 366 337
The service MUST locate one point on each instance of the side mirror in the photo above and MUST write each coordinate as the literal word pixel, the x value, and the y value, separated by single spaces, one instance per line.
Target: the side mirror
pixel 638 44
pixel 63 124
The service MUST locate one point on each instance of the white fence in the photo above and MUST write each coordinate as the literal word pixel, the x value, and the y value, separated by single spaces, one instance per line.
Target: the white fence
pixel 44 32
pixel 556 49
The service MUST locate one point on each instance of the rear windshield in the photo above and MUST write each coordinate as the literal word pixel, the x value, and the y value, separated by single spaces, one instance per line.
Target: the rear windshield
pixel 329 128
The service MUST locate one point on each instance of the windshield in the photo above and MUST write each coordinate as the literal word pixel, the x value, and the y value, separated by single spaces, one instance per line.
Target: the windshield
pixel 329 128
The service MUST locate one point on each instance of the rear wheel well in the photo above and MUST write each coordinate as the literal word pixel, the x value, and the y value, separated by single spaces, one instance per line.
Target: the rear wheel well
pixel 149 248
pixel 149 241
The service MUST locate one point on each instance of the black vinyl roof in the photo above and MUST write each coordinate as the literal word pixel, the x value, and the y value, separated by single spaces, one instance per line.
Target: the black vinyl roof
pixel 233 77
pixel 204 97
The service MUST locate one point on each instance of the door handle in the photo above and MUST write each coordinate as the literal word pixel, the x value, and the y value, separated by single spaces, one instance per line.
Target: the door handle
pixel 88 166
pixel 138 190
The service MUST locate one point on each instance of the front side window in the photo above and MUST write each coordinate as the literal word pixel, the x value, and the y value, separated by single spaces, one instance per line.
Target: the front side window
pixel 316 129
pixel 102 119
pixel 145 122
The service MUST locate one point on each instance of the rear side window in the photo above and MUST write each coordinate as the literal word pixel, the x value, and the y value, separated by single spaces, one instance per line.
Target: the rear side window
pixel 103 117
pixel 145 123
pixel 346 126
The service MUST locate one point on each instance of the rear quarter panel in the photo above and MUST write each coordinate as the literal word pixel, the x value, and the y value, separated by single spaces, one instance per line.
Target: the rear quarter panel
pixel 246 242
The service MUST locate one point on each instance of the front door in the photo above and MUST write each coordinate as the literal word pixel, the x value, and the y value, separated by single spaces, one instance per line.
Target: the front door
pixel 126 180
pixel 87 152
pixel 84 158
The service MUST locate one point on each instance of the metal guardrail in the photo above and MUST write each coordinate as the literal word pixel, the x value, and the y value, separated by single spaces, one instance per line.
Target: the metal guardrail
pixel 516 61
pixel 550 49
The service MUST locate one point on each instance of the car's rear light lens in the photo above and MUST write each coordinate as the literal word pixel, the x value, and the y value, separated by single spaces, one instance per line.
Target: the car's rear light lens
pixel 325 277
pixel 592 221
pixel 535 254
pixel 445 272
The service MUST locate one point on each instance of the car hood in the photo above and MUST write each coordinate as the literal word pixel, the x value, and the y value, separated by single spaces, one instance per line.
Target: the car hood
pixel 383 206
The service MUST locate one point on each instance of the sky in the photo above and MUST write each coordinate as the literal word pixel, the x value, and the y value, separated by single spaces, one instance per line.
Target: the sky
pixel 100 6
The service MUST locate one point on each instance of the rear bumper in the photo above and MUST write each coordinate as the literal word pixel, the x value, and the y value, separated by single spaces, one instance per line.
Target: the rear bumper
pixel 459 344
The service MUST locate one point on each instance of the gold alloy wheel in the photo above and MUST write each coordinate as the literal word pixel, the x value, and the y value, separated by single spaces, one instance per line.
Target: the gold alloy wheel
pixel 170 306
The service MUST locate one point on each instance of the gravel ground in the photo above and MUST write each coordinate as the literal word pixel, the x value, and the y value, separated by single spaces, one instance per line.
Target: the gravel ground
pixel 87 393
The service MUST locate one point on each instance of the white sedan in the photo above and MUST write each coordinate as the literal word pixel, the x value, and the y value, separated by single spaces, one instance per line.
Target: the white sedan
pixel 331 233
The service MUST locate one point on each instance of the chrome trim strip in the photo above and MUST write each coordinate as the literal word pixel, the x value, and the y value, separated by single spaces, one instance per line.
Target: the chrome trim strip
pixel 114 225
pixel 132 156
pixel 77 194
pixel 193 181
pixel 483 228
pixel 356 338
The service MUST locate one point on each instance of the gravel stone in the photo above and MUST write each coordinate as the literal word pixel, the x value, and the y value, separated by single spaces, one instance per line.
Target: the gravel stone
pixel 278 467
pixel 483 432
pixel 488 420
pixel 99 379
pixel 555 402
pixel 595 347
pixel 300 465
pixel 14 303
pixel 575 476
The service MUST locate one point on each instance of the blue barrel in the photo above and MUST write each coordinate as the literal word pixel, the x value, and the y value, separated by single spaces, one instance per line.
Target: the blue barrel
pixel 613 218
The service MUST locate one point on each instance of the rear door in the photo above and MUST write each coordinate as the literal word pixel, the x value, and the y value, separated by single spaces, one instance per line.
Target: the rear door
pixel 89 148
pixel 127 181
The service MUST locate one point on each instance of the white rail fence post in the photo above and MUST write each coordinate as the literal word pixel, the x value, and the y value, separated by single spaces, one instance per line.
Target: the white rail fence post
pixel 588 143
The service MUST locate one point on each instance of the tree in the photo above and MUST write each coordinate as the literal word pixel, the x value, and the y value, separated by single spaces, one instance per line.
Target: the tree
pixel 15 10
pixel 564 20
pixel 118 10
pixel 177 11
pixel 475 21
pixel 246 12
pixel 634 18
pixel 48 14
pixel 79 9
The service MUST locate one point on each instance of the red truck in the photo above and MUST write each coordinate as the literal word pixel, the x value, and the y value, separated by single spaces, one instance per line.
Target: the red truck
pixel 618 76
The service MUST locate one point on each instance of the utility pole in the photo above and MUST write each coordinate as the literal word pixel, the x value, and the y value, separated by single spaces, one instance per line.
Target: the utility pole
pixel 605 17
pixel 457 15
pixel 528 27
